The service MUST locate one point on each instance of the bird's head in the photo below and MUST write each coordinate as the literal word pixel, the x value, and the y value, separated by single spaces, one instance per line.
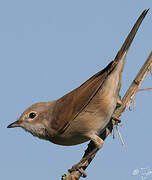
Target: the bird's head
pixel 34 119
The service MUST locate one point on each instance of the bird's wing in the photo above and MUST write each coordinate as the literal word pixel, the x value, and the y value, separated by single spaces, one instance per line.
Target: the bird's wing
pixel 68 107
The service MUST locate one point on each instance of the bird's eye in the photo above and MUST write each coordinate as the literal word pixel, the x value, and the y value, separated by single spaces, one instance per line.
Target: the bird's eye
pixel 32 115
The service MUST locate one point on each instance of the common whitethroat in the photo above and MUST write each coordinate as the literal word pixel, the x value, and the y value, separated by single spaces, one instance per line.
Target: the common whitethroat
pixel 84 113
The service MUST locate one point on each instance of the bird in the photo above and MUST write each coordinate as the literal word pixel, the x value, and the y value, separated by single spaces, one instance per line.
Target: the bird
pixel 82 114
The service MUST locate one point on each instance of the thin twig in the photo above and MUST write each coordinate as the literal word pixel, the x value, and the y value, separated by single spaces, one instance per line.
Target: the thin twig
pixel 126 100
pixel 145 89
pixel 122 141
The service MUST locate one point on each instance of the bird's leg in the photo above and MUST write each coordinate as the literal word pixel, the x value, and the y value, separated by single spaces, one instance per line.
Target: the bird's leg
pixel 117 120
pixel 89 153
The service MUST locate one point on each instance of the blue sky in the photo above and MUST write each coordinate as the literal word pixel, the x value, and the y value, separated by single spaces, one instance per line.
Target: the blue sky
pixel 48 48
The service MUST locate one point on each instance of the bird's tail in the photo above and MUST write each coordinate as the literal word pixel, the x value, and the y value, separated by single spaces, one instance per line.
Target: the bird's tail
pixel 126 45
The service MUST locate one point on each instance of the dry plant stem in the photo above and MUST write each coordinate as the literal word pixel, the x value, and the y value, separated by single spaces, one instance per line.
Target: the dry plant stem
pixel 126 100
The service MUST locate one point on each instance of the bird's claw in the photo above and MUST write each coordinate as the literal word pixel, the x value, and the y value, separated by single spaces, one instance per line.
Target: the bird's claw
pixel 78 167
pixel 117 120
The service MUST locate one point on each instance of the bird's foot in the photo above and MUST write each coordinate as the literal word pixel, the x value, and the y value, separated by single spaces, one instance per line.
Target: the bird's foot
pixel 80 167
pixel 117 120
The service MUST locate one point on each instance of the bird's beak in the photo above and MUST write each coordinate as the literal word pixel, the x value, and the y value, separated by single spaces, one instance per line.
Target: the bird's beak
pixel 14 124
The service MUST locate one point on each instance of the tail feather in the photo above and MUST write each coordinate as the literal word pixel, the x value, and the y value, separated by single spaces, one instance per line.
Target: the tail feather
pixel 126 45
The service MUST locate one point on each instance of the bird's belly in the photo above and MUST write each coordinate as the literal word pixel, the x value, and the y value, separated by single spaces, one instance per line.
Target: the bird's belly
pixel 69 139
